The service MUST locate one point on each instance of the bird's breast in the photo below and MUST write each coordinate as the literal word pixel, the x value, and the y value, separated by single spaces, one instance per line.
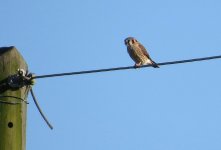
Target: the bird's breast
pixel 137 55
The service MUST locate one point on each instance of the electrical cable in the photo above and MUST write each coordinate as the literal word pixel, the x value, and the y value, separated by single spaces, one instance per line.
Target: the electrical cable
pixel 125 68
pixel 39 109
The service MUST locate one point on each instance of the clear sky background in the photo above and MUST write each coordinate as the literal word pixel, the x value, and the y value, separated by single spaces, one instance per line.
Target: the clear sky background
pixel 176 107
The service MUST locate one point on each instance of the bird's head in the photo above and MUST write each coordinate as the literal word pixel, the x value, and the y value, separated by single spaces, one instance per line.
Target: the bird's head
pixel 130 41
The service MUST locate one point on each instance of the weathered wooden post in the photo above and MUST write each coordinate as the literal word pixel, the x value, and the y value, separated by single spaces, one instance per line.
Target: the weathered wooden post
pixel 12 106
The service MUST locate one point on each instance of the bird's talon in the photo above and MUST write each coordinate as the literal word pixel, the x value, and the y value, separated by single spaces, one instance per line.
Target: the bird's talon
pixel 137 66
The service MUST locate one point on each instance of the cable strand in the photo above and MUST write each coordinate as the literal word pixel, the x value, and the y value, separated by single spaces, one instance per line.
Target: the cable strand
pixel 39 109
pixel 125 68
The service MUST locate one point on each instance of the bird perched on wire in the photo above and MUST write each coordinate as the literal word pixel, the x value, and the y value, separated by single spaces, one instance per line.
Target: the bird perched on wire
pixel 138 53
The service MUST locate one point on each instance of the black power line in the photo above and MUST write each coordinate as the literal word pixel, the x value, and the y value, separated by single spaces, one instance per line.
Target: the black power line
pixel 124 68
pixel 39 109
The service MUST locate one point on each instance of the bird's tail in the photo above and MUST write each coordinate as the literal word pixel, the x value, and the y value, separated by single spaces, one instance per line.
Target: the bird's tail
pixel 154 64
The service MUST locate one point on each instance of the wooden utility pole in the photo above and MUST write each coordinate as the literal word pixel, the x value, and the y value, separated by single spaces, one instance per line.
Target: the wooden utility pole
pixel 12 107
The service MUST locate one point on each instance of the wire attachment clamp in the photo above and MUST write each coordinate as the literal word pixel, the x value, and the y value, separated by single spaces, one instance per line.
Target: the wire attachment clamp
pixel 21 79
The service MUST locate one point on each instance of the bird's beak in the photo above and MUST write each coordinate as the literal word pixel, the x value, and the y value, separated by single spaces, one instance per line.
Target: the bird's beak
pixel 126 42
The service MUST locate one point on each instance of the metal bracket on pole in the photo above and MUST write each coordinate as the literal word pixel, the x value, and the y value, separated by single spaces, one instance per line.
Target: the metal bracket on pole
pixel 19 80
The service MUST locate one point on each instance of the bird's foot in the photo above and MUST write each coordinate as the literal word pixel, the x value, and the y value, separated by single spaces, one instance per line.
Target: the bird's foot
pixel 137 65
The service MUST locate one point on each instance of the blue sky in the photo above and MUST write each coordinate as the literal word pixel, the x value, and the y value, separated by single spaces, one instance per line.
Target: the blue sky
pixel 175 107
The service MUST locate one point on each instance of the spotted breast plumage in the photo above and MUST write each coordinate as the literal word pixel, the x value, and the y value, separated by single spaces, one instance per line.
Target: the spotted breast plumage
pixel 138 53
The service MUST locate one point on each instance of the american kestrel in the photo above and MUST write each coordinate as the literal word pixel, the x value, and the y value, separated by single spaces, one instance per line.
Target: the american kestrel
pixel 138 53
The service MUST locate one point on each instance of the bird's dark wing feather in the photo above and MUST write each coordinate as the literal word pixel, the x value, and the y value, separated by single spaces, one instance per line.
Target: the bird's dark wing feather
pixel 144 51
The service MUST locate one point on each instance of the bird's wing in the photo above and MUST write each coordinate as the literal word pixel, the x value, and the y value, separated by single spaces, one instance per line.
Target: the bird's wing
pixel 144 51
